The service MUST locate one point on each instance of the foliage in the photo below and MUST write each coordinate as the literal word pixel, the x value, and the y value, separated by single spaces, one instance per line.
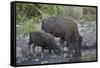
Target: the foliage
pixel 89 13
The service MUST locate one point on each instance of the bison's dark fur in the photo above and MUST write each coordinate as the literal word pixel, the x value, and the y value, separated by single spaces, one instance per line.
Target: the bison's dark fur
pixel 45 40
pixel 61 27
pixel 65 28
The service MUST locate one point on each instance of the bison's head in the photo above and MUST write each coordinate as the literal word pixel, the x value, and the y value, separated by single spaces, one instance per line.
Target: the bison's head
pixel 77 47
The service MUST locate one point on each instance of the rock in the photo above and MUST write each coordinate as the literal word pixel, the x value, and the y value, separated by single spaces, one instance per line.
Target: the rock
pixel 43 62
pixel 88 32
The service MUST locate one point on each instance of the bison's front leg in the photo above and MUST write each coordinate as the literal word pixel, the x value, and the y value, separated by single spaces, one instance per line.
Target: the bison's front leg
pixel 77 56
pixel 70 50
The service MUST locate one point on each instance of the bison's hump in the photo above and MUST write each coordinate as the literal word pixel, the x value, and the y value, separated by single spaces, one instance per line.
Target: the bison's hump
pixel 57 19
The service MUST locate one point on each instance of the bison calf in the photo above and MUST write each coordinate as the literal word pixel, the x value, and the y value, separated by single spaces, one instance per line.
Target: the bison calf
pixel 45 40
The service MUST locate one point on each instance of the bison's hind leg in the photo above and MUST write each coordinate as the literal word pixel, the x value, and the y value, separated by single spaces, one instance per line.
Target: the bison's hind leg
pixel 32 51
pixel 29 44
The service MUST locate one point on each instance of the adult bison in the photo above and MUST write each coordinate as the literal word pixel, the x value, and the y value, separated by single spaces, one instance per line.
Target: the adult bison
pixel 66 29
pixel 44 40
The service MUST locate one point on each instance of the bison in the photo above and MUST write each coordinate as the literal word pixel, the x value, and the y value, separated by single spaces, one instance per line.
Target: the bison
pixel 44 40
pixel 66 29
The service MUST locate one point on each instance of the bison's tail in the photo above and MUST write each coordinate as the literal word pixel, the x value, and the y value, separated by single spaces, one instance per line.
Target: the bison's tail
pixel 30 41
pixel 43 24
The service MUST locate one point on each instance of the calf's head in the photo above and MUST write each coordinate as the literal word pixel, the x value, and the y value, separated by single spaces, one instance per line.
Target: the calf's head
pixel 56 48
